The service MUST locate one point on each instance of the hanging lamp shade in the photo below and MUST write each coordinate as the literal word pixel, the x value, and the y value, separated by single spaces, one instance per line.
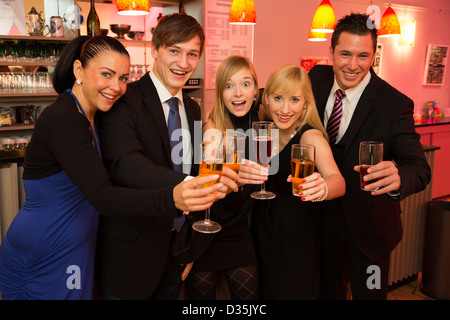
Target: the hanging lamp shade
pixel 389 25
pixel 242 12
pixel 317 36
pixel 133 7
pixel 324 19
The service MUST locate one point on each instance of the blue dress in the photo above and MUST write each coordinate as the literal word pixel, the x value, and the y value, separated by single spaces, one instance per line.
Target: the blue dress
pixel 50 244
pixel 48 251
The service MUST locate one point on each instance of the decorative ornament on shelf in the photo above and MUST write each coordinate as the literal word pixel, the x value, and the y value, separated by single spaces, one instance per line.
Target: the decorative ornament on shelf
pixel 243 12
pixel 389 25
pixel 133 7
pixel 324 19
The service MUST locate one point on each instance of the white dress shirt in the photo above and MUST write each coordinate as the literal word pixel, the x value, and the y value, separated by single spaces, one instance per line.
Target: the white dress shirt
pixel 349 103
pixel 165 95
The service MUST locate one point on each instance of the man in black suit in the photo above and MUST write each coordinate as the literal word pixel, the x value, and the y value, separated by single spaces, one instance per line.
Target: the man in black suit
pixel 134 260
pixel 361 228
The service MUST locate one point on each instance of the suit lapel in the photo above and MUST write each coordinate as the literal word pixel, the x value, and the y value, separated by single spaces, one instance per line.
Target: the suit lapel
pixel 325 87
pixel 191 116
pixel 155 109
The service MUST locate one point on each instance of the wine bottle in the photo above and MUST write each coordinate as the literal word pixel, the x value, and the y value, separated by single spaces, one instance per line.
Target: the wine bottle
pixel 93 22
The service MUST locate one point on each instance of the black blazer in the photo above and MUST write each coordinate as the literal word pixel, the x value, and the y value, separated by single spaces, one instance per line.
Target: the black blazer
pixel 382 114
pixel 132 253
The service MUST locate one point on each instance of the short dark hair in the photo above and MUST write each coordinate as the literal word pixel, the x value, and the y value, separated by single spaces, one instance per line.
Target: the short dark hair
pixel 355 23
pixel 82 48
pixel 176 28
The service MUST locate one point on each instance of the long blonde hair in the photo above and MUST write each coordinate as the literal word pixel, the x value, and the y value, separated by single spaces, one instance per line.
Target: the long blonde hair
pixel 227 68
pixel 285 81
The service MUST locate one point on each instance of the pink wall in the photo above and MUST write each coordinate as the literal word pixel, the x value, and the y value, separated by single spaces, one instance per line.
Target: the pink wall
pixel 282 28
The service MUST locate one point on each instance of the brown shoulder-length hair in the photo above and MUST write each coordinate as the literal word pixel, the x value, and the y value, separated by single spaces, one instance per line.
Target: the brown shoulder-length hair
pixel 285 81
pixel 227 68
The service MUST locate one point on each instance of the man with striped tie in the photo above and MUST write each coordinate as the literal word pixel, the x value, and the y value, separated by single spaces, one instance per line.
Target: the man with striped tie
pixel 361 228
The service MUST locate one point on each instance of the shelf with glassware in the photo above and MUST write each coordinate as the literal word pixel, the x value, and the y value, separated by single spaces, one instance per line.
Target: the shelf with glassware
pixel 25 66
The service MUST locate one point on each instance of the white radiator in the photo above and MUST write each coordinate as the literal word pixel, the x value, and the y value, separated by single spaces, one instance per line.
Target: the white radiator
pixel 406 259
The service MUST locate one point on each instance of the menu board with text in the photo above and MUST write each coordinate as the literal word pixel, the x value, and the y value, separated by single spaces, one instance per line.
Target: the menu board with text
pixel 223 39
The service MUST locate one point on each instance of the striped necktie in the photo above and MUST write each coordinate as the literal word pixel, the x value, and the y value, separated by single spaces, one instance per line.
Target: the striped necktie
pixel 335 119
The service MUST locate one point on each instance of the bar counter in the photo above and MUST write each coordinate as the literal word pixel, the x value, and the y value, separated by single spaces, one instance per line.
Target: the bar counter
pixel 432 122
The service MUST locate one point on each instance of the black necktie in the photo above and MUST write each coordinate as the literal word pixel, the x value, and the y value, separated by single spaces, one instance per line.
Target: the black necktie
pixel 174 123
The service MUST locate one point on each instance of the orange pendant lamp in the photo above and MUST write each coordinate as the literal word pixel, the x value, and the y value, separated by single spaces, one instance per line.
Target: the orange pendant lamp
pixel 133 7
pixel 242 12
pixel 389 25
pixel 324 19
pixel 317 36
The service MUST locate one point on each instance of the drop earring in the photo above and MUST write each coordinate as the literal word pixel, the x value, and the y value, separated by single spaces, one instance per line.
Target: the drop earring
pixel 78 82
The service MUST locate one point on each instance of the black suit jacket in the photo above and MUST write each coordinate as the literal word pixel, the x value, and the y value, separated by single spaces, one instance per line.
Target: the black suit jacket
pixel 132 253
pixel 382 114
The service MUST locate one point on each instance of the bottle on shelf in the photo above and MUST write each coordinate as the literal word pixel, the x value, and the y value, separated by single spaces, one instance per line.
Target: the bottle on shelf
pixel 93 22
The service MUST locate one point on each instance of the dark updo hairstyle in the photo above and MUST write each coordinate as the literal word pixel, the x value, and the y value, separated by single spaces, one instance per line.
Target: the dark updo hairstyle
pixel 82 48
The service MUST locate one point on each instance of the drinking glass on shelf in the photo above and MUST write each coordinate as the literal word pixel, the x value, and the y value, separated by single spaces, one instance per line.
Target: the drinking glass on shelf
pixel 370 153
pixel 262 142
pixel 302 164
pixel 212 163
pixel 234 149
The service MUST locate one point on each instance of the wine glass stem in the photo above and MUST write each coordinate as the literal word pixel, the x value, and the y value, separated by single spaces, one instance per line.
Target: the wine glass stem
pixel 263 187
pixel 207 215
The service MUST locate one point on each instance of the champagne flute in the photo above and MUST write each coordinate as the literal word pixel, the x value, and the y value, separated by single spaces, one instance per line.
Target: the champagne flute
pixel 302 164
pixel 212 163
pixel 234 149
pixel 262 141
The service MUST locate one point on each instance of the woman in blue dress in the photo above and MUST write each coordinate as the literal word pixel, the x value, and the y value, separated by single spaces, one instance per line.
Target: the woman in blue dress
pixel 48 251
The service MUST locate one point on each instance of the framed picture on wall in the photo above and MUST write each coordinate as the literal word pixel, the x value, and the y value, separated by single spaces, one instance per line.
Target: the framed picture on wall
pixel 376 64
pixel 435 65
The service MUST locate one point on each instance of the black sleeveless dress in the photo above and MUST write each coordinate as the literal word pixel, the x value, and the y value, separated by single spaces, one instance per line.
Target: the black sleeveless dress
pixel 231 247
pixel 286 236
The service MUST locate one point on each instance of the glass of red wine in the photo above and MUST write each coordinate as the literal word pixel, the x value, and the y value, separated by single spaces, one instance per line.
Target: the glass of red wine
pixel 262 142
pixel 370 153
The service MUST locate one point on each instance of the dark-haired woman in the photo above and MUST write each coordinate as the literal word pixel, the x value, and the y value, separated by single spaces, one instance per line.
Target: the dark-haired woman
pixel 49 249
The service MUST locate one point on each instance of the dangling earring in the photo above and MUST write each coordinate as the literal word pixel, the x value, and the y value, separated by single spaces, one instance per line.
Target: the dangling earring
pixel 78 82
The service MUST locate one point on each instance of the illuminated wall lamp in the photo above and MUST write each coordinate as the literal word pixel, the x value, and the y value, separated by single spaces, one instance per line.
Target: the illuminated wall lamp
pixel 407 37
pixel 133 7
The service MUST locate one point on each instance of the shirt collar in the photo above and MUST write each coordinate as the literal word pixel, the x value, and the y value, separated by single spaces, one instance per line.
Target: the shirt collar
pixel 355 92
pixel 163 93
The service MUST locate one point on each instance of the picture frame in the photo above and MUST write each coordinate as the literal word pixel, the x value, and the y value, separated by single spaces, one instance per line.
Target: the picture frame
pixel 435 65
pixel 376 64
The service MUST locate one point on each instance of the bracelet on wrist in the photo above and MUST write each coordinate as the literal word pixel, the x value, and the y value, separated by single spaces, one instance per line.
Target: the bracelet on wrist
pixel 325 195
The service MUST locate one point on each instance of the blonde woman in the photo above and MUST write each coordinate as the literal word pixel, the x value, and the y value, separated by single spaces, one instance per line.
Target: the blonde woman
pixel 286 228
pixel 231 250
